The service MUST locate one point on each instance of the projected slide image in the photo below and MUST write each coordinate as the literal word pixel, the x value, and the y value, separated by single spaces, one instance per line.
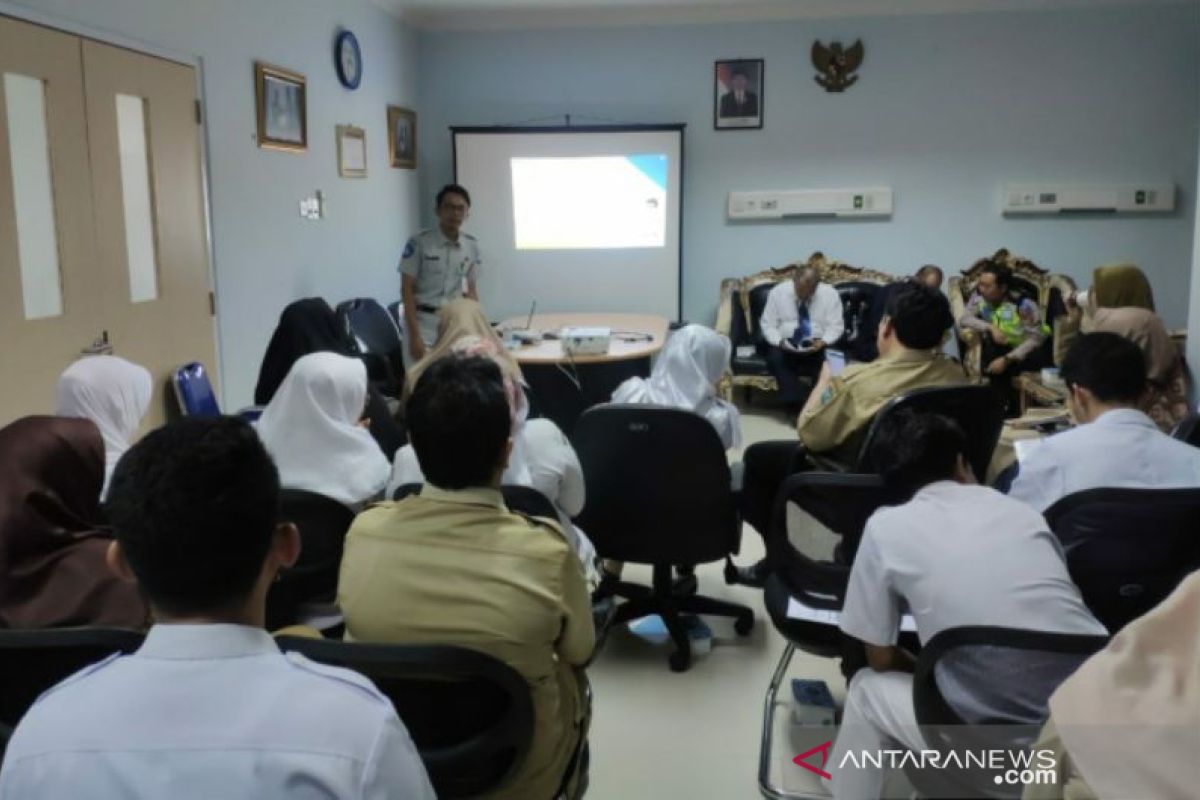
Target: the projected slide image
pixel 590 202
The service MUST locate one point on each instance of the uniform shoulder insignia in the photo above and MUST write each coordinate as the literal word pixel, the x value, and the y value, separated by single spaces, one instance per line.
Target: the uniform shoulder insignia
pixel 342 675
pixel 410 248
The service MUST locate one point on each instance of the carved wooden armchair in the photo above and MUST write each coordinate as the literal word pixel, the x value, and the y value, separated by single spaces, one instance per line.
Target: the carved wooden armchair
pixel 743 300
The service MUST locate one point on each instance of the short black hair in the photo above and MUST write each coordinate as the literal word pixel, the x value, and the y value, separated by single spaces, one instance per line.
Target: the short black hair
pixel 452 188
pixel 1000 272
pixel 459 421
pixel 928 268
pixel 911 450
pixel 920 314
pixel 1109 366
pixel 194 506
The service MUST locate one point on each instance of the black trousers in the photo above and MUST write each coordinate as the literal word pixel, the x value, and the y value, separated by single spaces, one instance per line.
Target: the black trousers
pixel 767 465
pixel 788 367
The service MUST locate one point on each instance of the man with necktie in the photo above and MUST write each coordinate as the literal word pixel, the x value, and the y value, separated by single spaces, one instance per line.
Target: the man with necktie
pixel 739 101
pixel 802 317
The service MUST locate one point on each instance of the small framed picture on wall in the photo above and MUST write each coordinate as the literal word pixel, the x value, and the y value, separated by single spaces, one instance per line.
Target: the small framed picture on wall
pixel 402 137
pixel 738 94
pixel 282 108
pixel 352 151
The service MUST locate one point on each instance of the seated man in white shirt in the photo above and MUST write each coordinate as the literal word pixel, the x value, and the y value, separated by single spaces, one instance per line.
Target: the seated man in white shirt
pixel 208 707
pixel 1115 445
pixel 956 554
pixel 801 318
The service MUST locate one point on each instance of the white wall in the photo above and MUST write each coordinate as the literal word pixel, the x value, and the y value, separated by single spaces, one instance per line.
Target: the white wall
pixel 265 255
pixel 947 109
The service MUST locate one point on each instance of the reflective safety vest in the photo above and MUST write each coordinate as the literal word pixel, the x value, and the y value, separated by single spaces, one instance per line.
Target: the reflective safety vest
pixel 1008 319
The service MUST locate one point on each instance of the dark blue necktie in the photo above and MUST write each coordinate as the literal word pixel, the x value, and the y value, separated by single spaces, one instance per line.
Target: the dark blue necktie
pixel 804 328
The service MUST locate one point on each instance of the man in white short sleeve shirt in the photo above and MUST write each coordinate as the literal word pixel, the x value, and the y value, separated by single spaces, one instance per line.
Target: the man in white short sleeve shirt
pixel 956 554
pixel 1115 446
pixel 208 707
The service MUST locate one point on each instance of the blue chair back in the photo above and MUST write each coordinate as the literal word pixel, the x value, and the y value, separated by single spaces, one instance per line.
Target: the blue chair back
pixel 194 391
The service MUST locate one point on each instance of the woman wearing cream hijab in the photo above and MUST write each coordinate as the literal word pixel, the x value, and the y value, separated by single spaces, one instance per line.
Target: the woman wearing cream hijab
pixel 457 320
pixel 1127 724
pixel 314 430
pixel 111 392
pixel 686 376
pixel 1122 302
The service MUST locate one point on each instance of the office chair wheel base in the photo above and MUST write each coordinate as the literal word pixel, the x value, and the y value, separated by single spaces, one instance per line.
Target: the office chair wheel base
pixel 679 661
pixel 743 625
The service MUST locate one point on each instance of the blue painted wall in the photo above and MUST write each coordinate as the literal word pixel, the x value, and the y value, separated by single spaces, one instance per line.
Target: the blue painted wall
pixel 947 109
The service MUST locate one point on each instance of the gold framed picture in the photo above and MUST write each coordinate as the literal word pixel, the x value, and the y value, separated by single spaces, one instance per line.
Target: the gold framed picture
pixel 402 137
pixel 352 151
pixel 281 98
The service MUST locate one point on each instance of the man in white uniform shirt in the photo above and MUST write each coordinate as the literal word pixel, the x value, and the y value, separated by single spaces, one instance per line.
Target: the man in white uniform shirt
pixel 801 318
pixel 956 554
pixel 1115 446
pixel 208 707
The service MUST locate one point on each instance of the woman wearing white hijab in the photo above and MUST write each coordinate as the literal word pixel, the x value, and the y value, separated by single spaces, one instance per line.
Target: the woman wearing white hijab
pixel 686 376
pixel 111 392
pixel 312 430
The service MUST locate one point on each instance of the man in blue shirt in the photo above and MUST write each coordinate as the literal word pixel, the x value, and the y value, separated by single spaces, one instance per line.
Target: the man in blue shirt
pixel 208 707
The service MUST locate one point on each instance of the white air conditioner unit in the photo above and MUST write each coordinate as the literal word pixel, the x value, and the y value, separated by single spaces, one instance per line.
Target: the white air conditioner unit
pixel 1065 198
pixel 875 202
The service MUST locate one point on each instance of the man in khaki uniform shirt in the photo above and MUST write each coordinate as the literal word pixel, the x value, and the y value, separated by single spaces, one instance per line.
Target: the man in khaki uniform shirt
pixel 840 409
pixel 454 566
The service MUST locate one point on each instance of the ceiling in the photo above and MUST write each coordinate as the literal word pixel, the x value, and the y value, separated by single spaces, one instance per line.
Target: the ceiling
pixel 517 14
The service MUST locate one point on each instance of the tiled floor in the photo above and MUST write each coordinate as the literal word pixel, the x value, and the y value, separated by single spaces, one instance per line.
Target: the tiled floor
pixel 695 735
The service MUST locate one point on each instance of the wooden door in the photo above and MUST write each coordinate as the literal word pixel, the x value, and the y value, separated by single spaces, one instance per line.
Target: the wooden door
pixel 49 279
pixel 151 247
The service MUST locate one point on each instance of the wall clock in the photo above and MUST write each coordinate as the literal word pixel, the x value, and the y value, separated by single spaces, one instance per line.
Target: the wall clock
pixel 348 58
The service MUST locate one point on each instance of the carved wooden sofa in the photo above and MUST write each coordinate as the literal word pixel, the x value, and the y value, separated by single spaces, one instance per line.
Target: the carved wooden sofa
pixel 743 300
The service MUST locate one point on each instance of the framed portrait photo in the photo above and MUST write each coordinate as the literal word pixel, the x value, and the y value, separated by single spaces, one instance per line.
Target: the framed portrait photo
pixel 281 96
pixel 352 151
pixel 738 94
pixel 402 137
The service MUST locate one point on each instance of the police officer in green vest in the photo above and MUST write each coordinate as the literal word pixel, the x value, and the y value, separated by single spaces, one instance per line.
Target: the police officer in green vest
pixel 439 265
pixel 1011 332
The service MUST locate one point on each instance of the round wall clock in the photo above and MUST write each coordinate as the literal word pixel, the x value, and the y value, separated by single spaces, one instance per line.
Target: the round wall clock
pixel 348 58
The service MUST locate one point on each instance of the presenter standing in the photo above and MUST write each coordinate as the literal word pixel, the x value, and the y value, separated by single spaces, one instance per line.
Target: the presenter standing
pixel 439 265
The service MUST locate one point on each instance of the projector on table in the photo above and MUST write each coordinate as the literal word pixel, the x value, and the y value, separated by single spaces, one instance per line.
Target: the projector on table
pixel 579 341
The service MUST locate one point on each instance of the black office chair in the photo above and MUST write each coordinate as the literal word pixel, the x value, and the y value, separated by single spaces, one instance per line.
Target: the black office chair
pixel 659 493
pixel 470 715
pixel 377 336
pixel 523 499
pixel 974 408
pixel 33 661
pixel 842 503
pixel 1188 430
pixel 323 523
pixel 1127 549
pixel 983 688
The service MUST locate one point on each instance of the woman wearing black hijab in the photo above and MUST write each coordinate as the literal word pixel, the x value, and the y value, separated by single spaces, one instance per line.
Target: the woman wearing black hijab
pixel 311 326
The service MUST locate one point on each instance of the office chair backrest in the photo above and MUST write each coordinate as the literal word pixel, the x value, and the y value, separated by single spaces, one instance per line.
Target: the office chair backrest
pixel 974 408
pixel 323 523
pixel 1127 549
pixel 33 661
pixel 658 485
pixel 378 339
pixel 1188 430
pixel 984 687
pixel 841 502
pixel 524 499
pixel 394 312
pixel 194 391
pixel 470 715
